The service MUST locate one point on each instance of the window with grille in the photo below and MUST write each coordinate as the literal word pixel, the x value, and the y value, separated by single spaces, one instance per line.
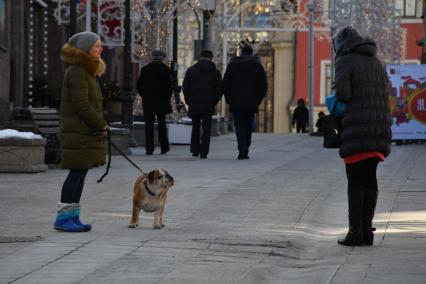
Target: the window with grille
pixel 410 8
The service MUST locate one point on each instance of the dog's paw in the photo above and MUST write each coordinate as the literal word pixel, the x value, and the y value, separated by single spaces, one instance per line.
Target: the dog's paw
pixel 132 226
pixel 158 227
pixel 162 225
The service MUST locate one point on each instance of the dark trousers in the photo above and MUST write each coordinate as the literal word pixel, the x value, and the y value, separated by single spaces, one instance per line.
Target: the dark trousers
pixel 201 146
pixel 362 175
pixel 162 132
pixel 362 195
pixel 243 122
pixel 73 186
pixel 300 127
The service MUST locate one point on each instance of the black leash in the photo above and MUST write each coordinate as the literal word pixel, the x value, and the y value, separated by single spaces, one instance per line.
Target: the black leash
pixel 109 156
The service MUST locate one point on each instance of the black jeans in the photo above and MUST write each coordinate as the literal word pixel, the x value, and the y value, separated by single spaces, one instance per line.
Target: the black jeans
pixel 362 175
pixel 73 186
pixel 301 127
pixel 243 122
pixel 201 146
pixel 162 132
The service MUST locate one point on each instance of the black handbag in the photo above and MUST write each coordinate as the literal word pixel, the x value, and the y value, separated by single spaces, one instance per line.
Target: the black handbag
pixel 331 128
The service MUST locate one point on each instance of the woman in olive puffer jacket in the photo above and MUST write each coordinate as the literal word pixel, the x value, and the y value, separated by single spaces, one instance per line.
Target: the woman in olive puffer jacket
pixel 82 126
pixel 361 83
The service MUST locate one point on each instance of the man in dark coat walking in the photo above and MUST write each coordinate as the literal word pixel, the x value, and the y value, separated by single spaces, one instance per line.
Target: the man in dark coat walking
pixel 202 91
pixel 244 86
pixel 300 117
pixel 155 87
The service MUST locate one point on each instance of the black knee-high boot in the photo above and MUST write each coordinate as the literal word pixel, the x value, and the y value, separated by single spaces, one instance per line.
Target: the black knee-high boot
pixel 370 201
pixel 354 236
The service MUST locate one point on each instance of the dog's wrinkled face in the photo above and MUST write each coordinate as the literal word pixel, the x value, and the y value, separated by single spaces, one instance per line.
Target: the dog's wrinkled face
pixel 160 178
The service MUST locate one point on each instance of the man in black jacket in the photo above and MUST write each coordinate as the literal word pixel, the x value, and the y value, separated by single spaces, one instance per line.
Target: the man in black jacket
pixel 202 91
pixel 244 86
pixel 155 87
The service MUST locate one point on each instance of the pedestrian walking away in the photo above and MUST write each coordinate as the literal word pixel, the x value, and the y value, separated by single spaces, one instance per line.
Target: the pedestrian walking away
pixel 361 83
pixel 154 85
pixel 82 127
pixel 244 86
pixel 300 118
pixel 202 91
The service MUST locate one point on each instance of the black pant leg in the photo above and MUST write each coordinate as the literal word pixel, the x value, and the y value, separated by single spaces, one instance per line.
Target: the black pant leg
pixel 371 174
pixel 205 136
pixel 355 175
pixel 195 134
pixel 370 195
pixel 240 130
pixel 149 131
pixel 73 185
pixel 79 190
pixel 162 133
pixel 249 128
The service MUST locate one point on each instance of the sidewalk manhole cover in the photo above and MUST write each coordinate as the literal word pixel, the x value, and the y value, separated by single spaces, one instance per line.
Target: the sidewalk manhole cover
pixel 19 239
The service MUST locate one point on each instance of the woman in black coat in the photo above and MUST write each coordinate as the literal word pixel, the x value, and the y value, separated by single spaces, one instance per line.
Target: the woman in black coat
pixel 361 83
pixel 155 87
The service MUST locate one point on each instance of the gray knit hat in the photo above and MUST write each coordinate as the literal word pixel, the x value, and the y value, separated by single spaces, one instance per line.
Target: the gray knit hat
pixel 84 40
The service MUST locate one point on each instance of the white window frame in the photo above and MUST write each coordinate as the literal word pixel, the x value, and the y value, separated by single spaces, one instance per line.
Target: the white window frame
pixel 410 61
pixel 418 9
pixel 323 78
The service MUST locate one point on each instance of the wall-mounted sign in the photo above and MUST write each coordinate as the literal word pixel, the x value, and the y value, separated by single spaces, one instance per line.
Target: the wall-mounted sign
pixel 407 101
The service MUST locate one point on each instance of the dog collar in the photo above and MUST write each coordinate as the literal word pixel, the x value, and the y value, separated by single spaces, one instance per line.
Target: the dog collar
pixel 147 188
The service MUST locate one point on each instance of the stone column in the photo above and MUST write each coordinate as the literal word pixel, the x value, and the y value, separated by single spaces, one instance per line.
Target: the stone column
pixel 283 83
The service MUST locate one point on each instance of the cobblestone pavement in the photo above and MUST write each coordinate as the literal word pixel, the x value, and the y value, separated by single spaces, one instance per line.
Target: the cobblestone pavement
pixel 272 219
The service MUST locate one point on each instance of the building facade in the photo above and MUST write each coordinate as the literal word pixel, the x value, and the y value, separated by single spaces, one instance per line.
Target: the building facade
pixel 411 53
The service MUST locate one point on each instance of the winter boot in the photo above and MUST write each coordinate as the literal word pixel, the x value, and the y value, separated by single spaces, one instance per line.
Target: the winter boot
pixel 354 236
pixel 76 217
pixel 370 201
pixel 64 219
pixel 243 155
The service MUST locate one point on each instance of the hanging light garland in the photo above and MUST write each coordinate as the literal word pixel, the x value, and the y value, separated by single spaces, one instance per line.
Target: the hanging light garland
pixel 31 54
pixel 45 48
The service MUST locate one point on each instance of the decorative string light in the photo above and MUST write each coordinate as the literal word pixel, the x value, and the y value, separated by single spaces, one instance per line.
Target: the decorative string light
pixel 30 54
pixel 45 48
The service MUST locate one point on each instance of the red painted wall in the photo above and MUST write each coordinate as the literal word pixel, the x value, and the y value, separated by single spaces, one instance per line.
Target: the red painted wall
pixel 321 52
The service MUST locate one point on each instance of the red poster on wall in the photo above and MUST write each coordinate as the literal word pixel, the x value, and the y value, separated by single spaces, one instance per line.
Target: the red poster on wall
pixel 407 101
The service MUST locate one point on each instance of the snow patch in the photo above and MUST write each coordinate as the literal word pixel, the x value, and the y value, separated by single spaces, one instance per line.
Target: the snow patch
pixel 11 133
